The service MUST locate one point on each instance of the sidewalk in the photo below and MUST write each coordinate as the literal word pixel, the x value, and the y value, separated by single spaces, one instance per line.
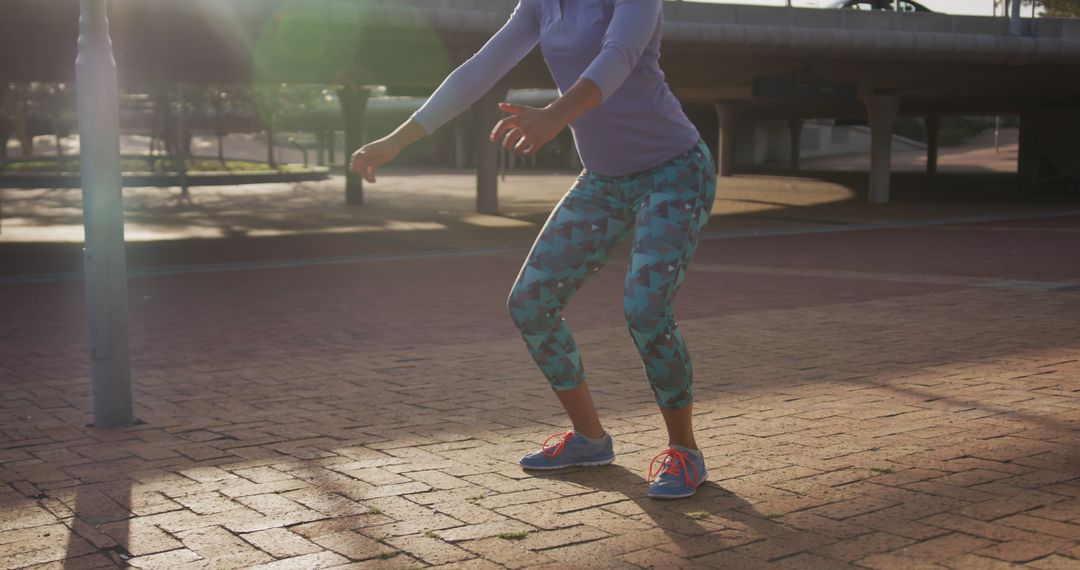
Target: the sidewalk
pixel 323 386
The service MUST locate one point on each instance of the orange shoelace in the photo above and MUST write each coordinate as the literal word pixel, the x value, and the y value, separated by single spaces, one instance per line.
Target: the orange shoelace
pixel 674 463
pixel 557 448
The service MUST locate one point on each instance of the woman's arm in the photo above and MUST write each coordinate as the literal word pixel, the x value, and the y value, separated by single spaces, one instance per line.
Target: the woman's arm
pixel 528 128
pixel 461 88
pixel 377 153
pixel 633 25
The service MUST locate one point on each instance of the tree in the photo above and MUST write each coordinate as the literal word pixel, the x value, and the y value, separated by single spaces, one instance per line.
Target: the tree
pixel 7 117
pixel 1060 8
pixel 161 130
pixel 20 102
pixel 59 103
pixel 268 102
pixel 1050 8
pixel 218 96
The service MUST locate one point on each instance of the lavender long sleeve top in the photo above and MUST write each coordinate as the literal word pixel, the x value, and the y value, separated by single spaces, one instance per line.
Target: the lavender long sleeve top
pixel 616 44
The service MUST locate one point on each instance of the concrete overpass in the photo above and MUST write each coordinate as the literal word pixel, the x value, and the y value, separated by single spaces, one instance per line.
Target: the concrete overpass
pixel 741 62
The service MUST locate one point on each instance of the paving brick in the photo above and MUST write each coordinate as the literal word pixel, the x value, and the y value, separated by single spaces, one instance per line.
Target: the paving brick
pixel 18 555
pixel 281 543
pixel 695 546
pixel 317 560
pixel 244 489
pixel 808 561
pixel 888 521
pixel 859 547
pixel 1043 526
pixel 430 548
pixel 1018 550
pixel 208 503
pixel 652 558
pixel 508 553
pixel 330 504
pixel 782 546
pixel 596 554
pixel 1055 562
pixel 1000 507
pixel 1063 511
pixel 974 562
pixel 472 564
pixel 165 560
pixel 33 534
pixel 95 561
pixel 140 538
pixel 222 548
pixel 846 509
pixel 942 548
pixel 351 545
pixel 975 527
pixel 324 527
pixel 262 474
pixel 893 562
pixel 731 559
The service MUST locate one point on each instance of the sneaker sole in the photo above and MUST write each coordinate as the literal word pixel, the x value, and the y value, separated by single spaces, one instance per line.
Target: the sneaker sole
pixel 568 465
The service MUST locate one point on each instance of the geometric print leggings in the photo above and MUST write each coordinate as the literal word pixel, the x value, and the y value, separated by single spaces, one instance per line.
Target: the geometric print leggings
pixel 666 207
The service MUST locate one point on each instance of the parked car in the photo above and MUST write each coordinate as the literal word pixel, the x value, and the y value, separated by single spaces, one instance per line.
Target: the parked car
pixel 890 5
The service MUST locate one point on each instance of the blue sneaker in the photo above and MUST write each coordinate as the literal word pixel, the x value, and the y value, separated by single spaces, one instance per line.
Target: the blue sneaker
pixel 680 473
pixel 572 450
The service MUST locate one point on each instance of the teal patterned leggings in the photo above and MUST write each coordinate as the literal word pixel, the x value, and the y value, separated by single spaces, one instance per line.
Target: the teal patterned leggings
pixel 666 207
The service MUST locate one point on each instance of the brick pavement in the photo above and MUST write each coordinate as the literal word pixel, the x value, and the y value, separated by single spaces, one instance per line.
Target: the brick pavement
pixel 884 398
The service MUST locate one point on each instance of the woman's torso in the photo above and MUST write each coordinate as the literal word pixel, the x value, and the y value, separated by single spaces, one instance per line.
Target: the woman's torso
pixel 638 126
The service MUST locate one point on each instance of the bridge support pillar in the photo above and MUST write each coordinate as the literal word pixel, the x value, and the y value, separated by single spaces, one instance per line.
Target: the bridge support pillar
pixel 485 114
pixel 354 101
pixel 796 127
pixel 882 109
pixel 461 144
pixel 933 131
pixel 727 116
pixel 1049 145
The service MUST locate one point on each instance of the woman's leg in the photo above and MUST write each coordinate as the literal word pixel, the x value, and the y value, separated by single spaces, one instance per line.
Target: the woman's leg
pixel 674 208
pixel 680 426
pixel 579 236
pixel 579 406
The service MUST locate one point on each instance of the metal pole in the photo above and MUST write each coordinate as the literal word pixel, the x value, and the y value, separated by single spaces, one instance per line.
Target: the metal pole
pixel 485 113
pixel 997 134
pixel 353 100
pixel 933 140
pixel 104 261
pixel 181 140
pixel 1014 18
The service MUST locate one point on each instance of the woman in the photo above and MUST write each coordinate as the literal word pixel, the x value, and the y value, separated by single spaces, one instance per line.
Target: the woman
pixel 645 168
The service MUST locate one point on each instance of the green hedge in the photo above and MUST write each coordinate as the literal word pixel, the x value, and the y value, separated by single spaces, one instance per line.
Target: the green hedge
pixel 158 165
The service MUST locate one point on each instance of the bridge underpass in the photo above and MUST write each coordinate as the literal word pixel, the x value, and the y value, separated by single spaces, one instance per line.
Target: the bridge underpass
pixel 736 63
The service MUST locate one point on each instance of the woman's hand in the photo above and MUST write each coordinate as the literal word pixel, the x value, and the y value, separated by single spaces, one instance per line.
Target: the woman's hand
pixel 527 129
pixel 373 155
